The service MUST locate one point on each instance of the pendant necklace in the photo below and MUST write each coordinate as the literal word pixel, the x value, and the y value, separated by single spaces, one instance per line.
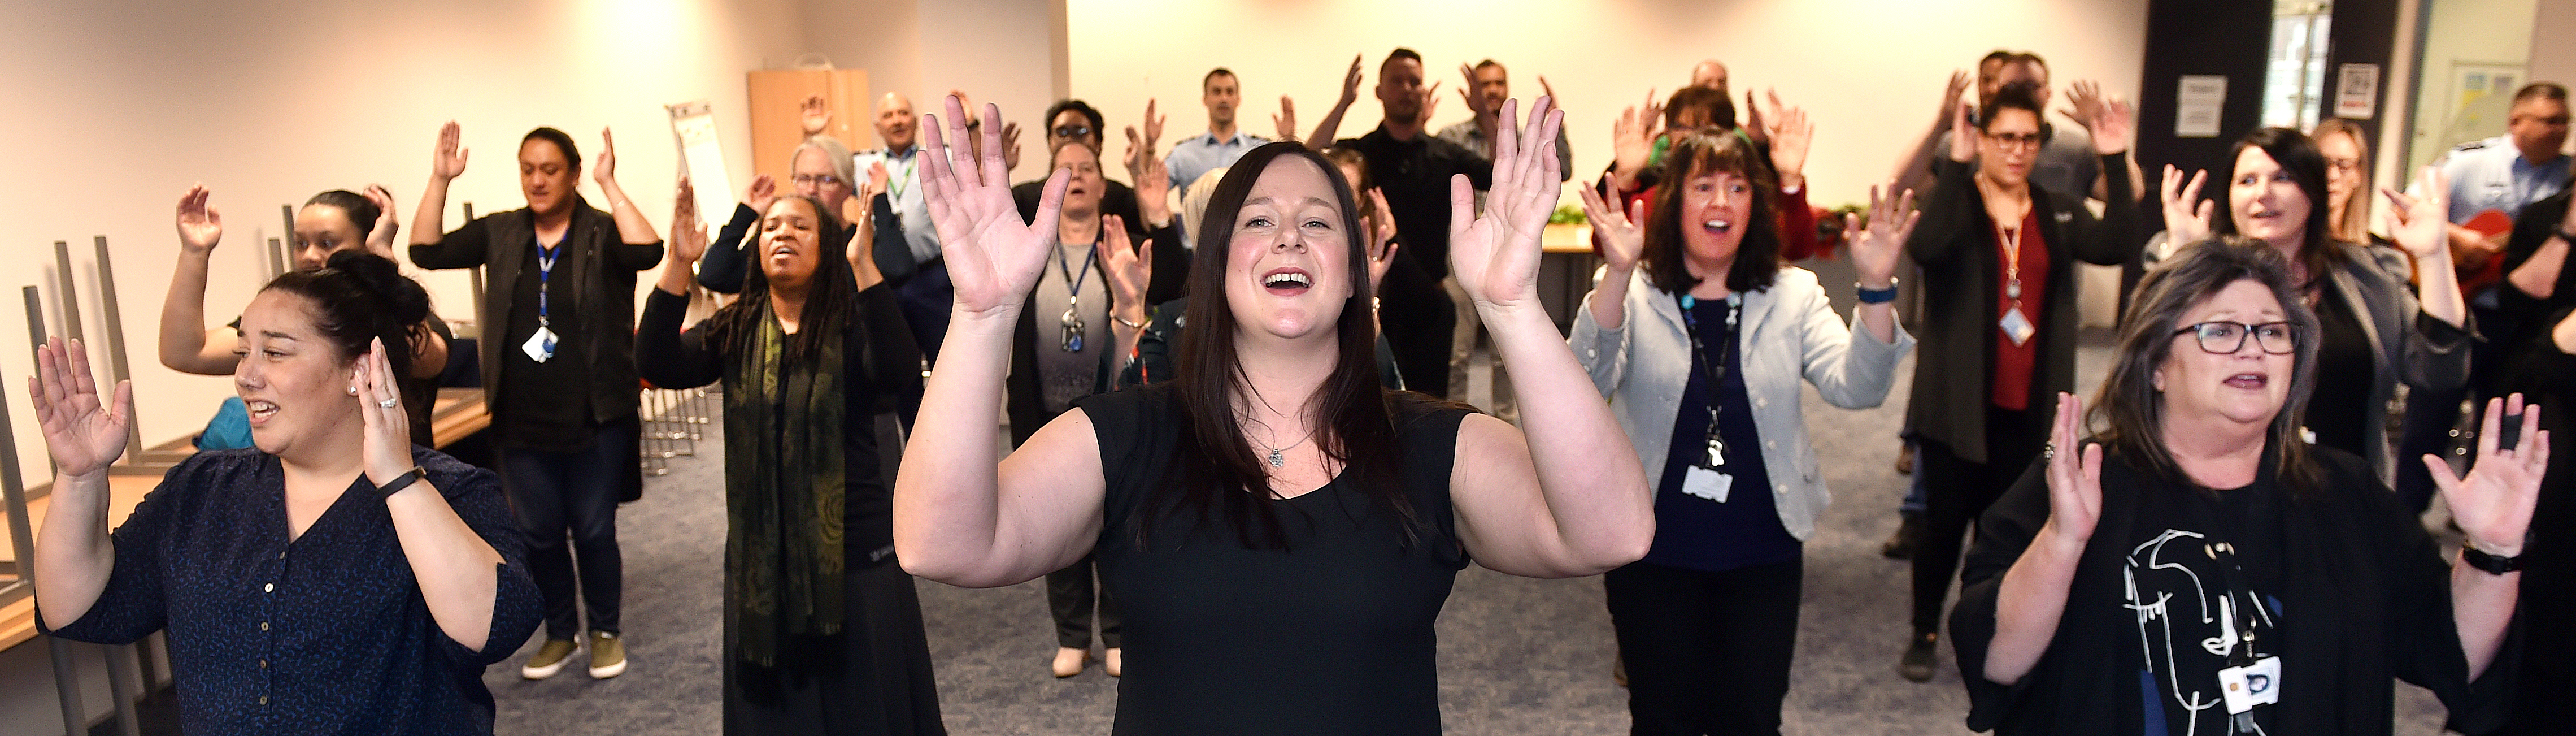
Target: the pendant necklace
pixel 1277 454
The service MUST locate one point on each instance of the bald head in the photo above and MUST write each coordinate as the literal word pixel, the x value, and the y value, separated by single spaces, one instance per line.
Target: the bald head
pixel 896 123
pixel 1710 74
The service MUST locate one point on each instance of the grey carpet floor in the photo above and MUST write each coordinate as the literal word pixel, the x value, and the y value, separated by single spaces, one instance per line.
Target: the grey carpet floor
pixel 1517 656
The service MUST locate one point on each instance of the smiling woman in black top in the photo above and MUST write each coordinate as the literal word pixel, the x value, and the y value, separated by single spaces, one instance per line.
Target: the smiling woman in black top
pixel 1281 530
pixel 333 579
pixel 2195 549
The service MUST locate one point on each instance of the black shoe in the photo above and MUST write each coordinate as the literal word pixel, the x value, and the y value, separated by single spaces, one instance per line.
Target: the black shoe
pixel 1900 545
pixel 1919 657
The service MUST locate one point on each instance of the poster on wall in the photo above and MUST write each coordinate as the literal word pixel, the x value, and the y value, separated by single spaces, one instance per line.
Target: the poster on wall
pixel 2199 104
pixel 2357 91
pixel 693 128
pixel 2481 100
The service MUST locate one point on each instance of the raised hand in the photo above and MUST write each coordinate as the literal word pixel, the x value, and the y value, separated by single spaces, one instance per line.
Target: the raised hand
pixel 688 234
pixel 1950 97
pixel 2186 214
pixel 1475 102
pixel 994 257
pixel 1495 255
pixel 200 226
pixel 1286 120
pixel 1754 128
pixel 1130 269
pixel 83 435
pixel 815 116
pixel 1351 83
pixel 1153 125
pixel 380 238
pixel 1876 244
pixel 2074 479
pixel 2109 120
pixel 878 178
pixel 2084 101
pixel 2493 505
pixel 763 193
pixel 1654 118
pixel 1429 99
pixel 1622 234
pixel 1963 135
pixel 447 161
pixel 1632 143
pixel 2421 224
pixel 1011 146
pixel 1791 133
pixel 1153 189
pixel 1382 243
pixel 603 168
pixel 386 446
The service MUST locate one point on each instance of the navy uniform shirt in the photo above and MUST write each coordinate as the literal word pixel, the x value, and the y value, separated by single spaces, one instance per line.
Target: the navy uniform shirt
pixel 326 634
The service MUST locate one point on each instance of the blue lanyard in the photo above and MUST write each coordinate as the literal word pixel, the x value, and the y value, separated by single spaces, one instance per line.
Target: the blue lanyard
pixel 545 269
pixel 1064 264
pixel 1716 366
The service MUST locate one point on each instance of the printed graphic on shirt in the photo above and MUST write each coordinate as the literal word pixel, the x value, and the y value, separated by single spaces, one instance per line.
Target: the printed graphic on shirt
pixel 2187 622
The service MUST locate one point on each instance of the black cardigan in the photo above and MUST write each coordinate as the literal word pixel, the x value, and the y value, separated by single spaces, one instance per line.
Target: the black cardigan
pixel 601 270
pixel 2367 587
pixel 1954 243
pixel 1024 402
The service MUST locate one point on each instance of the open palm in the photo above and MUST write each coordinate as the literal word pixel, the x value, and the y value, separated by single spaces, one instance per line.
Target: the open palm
pixel 82 434
pixel 994 257
pixel 1495 256
pixel 2493 505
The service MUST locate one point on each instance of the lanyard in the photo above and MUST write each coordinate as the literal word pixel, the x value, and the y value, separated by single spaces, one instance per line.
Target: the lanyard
pixel 1073 284
pixel 896 178
pixel 2243 595
pixel 2010 240
pixel 1715 368
pixel 545 269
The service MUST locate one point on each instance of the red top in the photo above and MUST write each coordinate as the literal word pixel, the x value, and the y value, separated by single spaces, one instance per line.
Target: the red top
pixel 2014 364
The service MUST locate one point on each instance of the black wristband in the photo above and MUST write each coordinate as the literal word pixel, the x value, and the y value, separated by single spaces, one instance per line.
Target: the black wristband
pixel 399 482
pixel 2565 235
pixel 2491 564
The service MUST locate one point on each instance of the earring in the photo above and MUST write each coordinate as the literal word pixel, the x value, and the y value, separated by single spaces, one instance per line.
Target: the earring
pixel 353 390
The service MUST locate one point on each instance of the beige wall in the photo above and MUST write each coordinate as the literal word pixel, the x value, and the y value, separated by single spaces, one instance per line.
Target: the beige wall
pixel 1869 71
pixel 118 106
pixel 1018 63
pixel 2465 31
pixel 2553 45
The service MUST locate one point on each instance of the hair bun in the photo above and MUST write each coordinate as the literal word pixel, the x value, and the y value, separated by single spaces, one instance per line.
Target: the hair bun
pixel 402 297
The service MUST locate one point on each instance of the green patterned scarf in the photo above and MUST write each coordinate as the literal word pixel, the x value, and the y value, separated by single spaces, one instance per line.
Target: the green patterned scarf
pixel 785 490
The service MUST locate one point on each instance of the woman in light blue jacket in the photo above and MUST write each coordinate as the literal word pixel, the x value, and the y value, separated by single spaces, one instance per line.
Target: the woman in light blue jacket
pixel 1699 336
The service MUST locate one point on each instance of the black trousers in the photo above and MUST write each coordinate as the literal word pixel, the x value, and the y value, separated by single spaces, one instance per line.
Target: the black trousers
pixel 1419 322
pixel 1069 597
pixel 555 495
pixel 1708 653
pixel 1958 491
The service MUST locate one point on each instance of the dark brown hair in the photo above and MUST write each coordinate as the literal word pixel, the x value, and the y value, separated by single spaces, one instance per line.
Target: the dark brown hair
pixel 1716 107
pixel 2297 156
pixel 1217 480
pixel 2129 408
pixel 1757 258
pixel 357 297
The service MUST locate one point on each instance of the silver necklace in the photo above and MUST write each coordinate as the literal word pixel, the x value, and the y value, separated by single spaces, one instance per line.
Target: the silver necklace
pixel 1277 457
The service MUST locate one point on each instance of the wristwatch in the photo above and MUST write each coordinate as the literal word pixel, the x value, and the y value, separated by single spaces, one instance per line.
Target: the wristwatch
pixel 1875 296
pixel 400 482
pixel 2492 564
pixel 2566 235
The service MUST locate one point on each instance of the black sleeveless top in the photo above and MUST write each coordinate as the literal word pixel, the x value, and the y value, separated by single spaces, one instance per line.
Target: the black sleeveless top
pixel 1331 635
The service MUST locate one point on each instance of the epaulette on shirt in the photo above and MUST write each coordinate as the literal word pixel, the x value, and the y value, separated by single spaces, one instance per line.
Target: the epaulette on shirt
pixel 2473 145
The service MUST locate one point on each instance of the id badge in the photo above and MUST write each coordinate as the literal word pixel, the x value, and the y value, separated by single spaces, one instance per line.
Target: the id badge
pixel 1706 483
pixel 2251 685
pixel 2017 327
pixel 540 346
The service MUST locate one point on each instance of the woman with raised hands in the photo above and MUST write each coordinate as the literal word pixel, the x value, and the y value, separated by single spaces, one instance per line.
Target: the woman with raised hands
pixel 2195 566
pixel 2373 330
pixel 822 632
pixel 1699 335
pixel 1281 530
pixel 1999 317
pixel 333 579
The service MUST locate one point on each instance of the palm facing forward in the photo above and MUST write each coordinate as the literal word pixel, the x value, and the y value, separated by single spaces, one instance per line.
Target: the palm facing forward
pixel 1495 256
pixel 83 435
pixel 994 257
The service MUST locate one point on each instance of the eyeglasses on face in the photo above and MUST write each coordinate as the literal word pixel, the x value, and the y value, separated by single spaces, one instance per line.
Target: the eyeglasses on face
pixel 820 180
pixel 2226 338
pixel 2014 141
pixel 1072 131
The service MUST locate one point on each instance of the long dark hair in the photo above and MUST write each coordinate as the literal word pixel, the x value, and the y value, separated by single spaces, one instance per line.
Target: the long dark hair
pixel 828 301
pixel 357 297
pixel 2298 156
pixel 2129 408
pixel 1757 258
pixel 1218 481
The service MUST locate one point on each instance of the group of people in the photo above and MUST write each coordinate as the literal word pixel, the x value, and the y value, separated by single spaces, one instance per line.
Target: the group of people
pixel 1237 445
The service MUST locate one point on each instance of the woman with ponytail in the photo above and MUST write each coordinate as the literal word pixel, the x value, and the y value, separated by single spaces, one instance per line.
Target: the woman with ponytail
pixel 334 578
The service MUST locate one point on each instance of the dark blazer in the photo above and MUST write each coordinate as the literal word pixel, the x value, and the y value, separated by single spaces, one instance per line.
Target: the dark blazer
pixel 2365 590
pixel 602 269
pixel 1955 245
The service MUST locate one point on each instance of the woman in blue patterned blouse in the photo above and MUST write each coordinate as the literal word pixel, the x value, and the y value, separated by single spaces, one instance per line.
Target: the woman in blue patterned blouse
pixel 332 579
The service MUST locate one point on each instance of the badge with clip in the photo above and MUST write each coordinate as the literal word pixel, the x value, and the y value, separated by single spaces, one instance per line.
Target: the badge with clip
pixel 540 346
pixel 2251 685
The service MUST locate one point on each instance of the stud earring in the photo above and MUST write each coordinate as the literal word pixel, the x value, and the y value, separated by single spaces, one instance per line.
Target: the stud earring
pixel 353 390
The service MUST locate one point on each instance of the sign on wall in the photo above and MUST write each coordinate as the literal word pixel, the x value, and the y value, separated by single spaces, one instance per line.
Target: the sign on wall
pixel 2357 91
pixel 2199 104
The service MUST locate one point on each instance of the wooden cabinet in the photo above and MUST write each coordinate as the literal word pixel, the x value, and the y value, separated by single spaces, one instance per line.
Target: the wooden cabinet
pixel 777 98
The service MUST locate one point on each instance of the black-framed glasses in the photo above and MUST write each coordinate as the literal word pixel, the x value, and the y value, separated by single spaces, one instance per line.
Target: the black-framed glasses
pixel 2226 338
pixel 2012 141
pixel 1072 131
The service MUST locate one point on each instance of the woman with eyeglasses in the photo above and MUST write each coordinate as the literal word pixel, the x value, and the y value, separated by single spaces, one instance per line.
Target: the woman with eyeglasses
pixel 2372 330
pixel 1998 258
pixel 821 169
pixel 1065 337
pixel 2196 566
